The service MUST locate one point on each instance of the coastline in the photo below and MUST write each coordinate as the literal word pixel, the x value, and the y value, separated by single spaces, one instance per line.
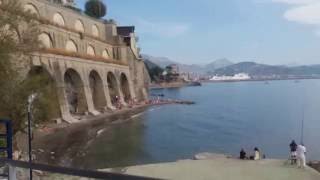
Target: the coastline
pixel 49 149
pixel 185 84
pixel 120 112
pixel 56 144
pixel 168 85
pixel 257 80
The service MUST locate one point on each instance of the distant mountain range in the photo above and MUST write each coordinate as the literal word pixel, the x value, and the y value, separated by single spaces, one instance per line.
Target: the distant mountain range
pixel 201 69
pixel 226 67
pixel 260 70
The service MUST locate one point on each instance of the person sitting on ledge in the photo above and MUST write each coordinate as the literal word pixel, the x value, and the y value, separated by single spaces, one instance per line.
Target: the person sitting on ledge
pixel 243 154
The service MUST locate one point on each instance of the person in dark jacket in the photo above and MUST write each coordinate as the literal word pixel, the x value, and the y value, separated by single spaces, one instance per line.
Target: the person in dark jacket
pixel 293 152
pixel 243 154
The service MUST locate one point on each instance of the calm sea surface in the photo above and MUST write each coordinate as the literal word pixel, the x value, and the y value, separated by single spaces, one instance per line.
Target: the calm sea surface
pixel 225 118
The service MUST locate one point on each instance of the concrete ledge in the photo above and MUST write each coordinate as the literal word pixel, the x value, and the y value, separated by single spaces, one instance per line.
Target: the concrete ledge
pixel 224 168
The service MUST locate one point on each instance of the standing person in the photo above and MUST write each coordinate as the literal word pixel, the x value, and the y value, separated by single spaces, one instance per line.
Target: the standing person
pixel 257 155
pixel 117 99
pixel 301 155
pixel 293 152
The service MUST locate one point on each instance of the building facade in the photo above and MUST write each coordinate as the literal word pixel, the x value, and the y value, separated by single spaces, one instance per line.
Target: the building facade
pixel 94 62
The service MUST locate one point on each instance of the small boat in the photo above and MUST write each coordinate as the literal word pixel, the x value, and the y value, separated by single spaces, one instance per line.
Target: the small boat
pixel 266 82
pixel 296 81
pixel 195 83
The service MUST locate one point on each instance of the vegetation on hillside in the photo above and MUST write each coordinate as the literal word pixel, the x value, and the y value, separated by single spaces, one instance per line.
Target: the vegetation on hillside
pixel 18 38
pixel 155 71
pixel 95 8
pixel 160 75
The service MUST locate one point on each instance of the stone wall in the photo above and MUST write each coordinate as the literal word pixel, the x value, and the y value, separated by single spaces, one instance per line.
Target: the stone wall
pixel 92 65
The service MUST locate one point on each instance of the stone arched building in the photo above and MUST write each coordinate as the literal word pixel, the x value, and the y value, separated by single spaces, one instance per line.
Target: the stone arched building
pixel 92 61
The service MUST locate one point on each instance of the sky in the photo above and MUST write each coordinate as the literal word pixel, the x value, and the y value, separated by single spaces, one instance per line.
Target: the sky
pixel 200 31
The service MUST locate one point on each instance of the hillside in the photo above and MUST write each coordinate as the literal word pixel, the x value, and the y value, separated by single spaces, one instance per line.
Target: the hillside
pixel 154 70
pixel 194 68
pixel 259 70
pixel 226 67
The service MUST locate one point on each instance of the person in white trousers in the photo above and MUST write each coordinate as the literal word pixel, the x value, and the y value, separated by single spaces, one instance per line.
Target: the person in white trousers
pixel 301 156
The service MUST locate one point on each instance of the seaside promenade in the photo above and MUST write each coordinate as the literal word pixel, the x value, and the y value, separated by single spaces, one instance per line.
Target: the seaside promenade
pixel 220 167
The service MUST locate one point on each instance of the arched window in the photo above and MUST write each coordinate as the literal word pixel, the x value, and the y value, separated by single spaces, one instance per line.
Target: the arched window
pixel 79 26
pixel 58 19
pixel 45 40
pixel 105 54
pixel 90 50
pixel 31 9
pixel 95 31
pixel 71 46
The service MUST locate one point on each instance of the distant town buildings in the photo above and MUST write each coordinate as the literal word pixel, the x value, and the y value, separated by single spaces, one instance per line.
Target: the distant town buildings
pixel 236 77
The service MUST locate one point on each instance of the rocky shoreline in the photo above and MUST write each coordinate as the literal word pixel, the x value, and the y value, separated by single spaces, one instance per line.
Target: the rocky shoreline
pixel 168 85
pixel 315 165
pixel 54 143
pixel 47 142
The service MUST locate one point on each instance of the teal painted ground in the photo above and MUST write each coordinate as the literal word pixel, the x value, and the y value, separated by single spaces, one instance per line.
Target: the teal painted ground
pixel 226 117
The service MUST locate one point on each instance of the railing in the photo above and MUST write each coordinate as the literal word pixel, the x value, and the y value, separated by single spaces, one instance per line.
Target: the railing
pixel 6 138
pixel 67 171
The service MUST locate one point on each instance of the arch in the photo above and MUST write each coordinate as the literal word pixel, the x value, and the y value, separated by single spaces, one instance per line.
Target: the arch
pixel 90 50
pixel 75 92
pixel 96 86
pixel 39 80
pixel 105 54
pixel 45 40
pixel 71 46
pixel 95 30
pixel 58 19
pixel 31 9
pixel 124 85
pixel 113 88
pixel 78 25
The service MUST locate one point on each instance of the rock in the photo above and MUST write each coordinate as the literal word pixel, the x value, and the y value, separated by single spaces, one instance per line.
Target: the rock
pixel 207 156
pixel 39 173
pixel 40 150
pixel 100 132
pixel 58 120
pixel 16 155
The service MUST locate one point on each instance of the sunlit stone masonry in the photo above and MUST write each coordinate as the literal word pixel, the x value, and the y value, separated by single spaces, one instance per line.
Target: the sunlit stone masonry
pixel 92 61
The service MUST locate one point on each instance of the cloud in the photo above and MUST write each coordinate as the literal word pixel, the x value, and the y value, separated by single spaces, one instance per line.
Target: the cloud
pixel 303 12
pixel 163 29
pixel 297 2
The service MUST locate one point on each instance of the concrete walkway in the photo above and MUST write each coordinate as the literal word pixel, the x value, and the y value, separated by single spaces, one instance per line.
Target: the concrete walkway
pixel 222 168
